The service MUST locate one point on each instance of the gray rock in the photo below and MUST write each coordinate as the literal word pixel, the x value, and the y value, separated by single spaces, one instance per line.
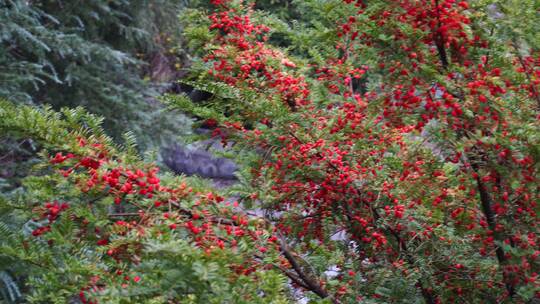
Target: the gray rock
pixel 198 161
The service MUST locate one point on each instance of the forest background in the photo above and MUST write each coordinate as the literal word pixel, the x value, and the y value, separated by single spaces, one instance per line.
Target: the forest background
pixel 272 151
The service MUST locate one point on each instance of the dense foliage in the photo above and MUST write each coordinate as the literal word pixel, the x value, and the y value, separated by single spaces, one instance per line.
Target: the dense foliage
pixel 389 153
pixel 90 53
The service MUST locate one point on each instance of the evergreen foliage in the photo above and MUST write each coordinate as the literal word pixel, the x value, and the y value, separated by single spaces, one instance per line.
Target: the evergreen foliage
pixel 66 262
pixel 388 152
pixel 86 53
pixel 401 95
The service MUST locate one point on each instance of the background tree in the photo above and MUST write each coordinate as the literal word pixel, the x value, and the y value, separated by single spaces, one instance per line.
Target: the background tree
pixel 93 54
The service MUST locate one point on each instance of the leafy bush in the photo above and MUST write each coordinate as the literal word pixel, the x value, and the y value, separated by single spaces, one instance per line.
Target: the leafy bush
pixel 96 223
pixel 399 147
pixel 388 150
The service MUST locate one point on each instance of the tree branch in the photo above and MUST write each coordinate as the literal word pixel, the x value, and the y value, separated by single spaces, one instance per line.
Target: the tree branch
pixel 307 280
pixel 438 38
pixel 487 203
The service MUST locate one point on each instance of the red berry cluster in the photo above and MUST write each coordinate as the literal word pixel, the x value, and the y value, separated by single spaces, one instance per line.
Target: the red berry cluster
pixel 51 212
